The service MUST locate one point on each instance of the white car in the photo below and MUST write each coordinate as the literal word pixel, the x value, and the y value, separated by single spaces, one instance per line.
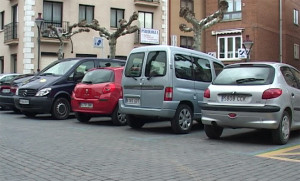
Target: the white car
pixel 261 95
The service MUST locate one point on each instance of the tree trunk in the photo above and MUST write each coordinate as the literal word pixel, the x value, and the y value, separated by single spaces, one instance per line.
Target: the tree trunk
pixel 112 47
pixel 197 39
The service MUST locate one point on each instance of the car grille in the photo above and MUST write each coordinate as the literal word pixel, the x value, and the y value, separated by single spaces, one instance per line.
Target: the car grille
pixel 27 92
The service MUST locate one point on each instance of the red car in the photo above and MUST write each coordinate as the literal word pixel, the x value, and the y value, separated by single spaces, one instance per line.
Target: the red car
pixel 98 94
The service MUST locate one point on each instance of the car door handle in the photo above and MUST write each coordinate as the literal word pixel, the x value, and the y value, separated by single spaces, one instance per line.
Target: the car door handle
pixel 293 95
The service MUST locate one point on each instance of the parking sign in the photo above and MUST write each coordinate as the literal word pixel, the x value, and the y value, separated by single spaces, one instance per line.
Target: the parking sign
pixel 98 42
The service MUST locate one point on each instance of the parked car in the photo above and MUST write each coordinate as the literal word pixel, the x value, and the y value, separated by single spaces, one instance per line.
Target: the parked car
pixel 254 95
pixel 98 94
pixel 166 83
pixel 50 91
pixel 8 90
pixel 7 77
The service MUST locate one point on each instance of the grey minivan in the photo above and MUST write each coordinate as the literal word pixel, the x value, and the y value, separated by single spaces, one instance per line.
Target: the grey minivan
pixel 166 83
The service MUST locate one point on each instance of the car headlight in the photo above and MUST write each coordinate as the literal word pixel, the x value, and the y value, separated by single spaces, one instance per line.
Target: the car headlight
pixel 43 92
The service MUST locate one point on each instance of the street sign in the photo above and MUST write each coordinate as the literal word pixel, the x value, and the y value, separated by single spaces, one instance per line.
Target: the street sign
pixel 98 42
pixel 242 53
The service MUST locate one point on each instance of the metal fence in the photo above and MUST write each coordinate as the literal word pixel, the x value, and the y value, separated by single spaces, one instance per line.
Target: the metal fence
pixel 10 31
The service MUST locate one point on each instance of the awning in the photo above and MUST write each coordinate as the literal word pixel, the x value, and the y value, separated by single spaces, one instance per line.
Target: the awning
pixel 228 31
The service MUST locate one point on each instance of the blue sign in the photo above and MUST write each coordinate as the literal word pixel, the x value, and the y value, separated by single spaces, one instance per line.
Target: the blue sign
pixel 98 42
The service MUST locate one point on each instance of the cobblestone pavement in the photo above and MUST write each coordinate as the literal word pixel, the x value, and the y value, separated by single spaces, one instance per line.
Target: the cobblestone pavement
pixel 50 150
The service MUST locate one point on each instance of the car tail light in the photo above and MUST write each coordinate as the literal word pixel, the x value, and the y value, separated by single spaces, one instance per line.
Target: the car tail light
pixel 168 94
pixel 271 93
pixel 207 93
pixel 13 89
pixel 108 88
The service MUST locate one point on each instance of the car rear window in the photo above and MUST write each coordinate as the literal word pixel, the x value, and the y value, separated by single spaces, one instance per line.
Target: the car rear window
pixel 98 76
pixel 245 75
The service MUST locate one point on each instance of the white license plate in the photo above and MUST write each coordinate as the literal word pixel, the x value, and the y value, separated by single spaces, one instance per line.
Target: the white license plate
pixel 24 101
pixel 133 100
pixel 86 105
pixel 234 98
pixel 6 90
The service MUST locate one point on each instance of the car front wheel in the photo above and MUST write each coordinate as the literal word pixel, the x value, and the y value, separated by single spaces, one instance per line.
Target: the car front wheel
pixel 61 108
pixel 213 132
pixel 282 133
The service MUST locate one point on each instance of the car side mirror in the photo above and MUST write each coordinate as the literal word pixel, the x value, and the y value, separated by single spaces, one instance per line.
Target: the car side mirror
pixel 78 76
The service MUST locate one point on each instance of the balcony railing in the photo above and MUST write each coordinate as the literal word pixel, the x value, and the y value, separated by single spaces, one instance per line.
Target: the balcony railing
pixel 154 3
pixel 11 32
pixel 62 27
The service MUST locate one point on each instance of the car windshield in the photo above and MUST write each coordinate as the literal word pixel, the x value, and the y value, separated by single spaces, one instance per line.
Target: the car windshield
pixel 98 76
pixel 246 75
pixel 59 68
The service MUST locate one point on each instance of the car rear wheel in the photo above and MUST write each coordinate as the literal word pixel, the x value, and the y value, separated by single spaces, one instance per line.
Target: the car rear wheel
pixel 118 118
pixel 133 122
pixel 29 114
pixel 183 120
pixel 213 132
pixel 82 117
pixel 61 108
pixel 282 133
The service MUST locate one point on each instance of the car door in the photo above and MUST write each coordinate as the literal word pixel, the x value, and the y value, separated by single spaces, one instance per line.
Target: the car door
pixel 291 80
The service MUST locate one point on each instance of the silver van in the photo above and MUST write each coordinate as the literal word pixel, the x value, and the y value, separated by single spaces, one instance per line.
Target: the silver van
pixel 166 83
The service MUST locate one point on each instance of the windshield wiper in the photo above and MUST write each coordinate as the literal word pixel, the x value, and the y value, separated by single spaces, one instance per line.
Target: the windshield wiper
pixel 240 81
pixel 87 82
pixel 45 74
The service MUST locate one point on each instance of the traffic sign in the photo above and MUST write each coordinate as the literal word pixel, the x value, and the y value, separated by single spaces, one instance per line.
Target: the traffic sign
pixel 98 42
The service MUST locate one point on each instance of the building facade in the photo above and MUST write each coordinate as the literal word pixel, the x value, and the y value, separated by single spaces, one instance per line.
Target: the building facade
pixel 19 33
pixel 272 26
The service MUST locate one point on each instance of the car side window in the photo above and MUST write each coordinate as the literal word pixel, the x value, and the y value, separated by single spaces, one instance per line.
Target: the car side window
pixel 218 68
pixel 297 76
pixel 202 70
pixel 183 66
pixel 81 70
pixel 134 65
pixel 156 64
pixel 289 77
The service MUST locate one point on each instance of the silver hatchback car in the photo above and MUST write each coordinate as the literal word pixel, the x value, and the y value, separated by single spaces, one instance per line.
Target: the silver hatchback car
pixel 261 95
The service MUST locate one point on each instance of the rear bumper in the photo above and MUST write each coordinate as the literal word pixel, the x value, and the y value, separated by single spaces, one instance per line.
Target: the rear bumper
pixel 167 111
pixel 105 107
pixel 7 101
pixel 267 117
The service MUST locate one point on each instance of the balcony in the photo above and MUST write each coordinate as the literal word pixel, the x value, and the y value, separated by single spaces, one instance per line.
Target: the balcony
pixel 11 34
pixel 153 3
pixel 62 27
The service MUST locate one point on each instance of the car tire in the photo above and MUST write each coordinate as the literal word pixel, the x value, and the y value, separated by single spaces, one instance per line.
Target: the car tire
pixel 61 108
pixel 29 114
pixel 213 132
pixel 282 133
pixel 118 118
pixel 82 117
pixel 133 122
pixel 183 120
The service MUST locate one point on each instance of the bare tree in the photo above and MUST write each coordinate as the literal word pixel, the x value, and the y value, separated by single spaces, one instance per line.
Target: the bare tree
pixel 63 36
pixel 199 26
pixel 124 29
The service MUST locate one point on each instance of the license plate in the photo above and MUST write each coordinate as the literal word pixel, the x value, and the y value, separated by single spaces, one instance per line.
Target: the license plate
pixel 24 101
pixel 86 105
pixel 233 98
pixel 6 90
pixel 133 100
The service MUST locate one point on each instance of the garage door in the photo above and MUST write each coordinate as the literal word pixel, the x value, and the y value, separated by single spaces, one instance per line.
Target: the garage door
pixel 46 60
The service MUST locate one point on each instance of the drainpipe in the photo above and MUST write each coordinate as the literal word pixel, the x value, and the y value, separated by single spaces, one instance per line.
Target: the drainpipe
pixel 280 31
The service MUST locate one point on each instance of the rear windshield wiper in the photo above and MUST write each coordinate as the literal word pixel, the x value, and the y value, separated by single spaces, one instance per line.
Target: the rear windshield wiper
pixel 87 82
pixel 240 81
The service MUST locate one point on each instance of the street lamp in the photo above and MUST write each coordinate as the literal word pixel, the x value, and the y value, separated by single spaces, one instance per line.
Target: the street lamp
pixel 39 22
pixel 247 44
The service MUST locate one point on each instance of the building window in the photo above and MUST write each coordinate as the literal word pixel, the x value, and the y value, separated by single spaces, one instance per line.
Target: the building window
pixel 188 4
pixel 13 65
pixel 1 65
pixel 86 13
pixel 186 42
pixel 146 20
pixel 53 13
pixel 296 51
pixel 296 17
pixel 2 20
pixel 228 47
pixel 234 10
pixel 115 16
